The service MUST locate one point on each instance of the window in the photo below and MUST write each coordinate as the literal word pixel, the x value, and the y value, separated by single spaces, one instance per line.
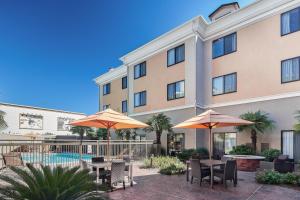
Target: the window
pixel 224 45
pixel 290 21
pixel 140 99
pixel 224 84
pixel 124 106
pixel 124 82
pixel 175 90
pixel 176 55
pixel 175 143
pixel 140 70
pixel 106 106
pixel 106 89
pixel 290 70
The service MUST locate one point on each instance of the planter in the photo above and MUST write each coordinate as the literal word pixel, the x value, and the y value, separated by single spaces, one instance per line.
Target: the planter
pixel 248 163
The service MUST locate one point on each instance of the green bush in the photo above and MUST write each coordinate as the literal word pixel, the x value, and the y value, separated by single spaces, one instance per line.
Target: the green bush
pixel 186 154
pixel 242 150
pixel 271 154
pixel 273 177
pixel 166 165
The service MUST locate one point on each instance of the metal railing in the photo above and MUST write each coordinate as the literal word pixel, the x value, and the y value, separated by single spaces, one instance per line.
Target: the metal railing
pixel 70 152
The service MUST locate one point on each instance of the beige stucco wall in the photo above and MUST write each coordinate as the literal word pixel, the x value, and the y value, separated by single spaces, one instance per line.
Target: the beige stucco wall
pixel 155 83
pixel 257 61
pixel 116 96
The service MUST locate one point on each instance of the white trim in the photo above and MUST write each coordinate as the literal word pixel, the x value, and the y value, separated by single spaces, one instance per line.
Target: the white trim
pixel 111 75
pixel 162 110
pixel 254 100
pixel 39 108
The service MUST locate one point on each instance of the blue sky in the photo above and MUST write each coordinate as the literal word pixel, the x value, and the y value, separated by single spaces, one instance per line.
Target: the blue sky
pixel 51 50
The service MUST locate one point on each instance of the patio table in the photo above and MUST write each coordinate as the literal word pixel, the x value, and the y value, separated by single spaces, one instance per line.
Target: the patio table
pixel 108 165
pixel 211 164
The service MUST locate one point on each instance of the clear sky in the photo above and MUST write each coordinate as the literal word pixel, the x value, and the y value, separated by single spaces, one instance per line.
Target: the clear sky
pixel 51 50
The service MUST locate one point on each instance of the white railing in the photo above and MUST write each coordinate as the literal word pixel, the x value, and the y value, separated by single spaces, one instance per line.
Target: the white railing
pixel 70 152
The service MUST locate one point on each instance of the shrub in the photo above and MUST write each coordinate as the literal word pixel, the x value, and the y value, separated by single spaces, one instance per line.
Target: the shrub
pixel 269 177
pixel 273 177
pixel 166 165
pixel 271 154
pixel 186 154
pixel 242 150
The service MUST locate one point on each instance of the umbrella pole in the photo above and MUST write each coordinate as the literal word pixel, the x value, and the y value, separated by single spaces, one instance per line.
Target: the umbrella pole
pixel 108 145
pixel 210 142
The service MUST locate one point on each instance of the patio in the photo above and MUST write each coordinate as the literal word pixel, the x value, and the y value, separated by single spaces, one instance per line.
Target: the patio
pixel 151 185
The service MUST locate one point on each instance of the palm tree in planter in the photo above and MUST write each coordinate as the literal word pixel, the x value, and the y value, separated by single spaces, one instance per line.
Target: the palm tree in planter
pixel 261 121
pixel 158 124
pixel 297 126
pixel 2 121
pixel 57 183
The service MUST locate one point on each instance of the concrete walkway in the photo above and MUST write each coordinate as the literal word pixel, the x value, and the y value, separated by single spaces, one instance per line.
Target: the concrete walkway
pixel 153 186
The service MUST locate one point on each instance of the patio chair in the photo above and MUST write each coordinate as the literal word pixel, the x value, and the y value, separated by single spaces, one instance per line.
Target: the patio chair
pixel 198 171
pixel 12 159
pixel 102 172
pixel 117 173
pixel 220 169
pixel 229 172
pixel 283 164
pixel 127 160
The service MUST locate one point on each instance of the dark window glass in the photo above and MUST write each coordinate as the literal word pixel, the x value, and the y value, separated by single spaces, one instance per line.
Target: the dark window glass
pixel 106 89
pixel 140 70
pixel 224 45
pixel 106 107
pixel 175 90
pixel 176 55
pixel 140 99
pixel 124 82
pixel 290 21
pixel 290 70
pixel 124 106
pixel 224 84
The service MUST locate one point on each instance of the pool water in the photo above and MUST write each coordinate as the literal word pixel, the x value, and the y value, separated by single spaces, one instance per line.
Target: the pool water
pixel 54 158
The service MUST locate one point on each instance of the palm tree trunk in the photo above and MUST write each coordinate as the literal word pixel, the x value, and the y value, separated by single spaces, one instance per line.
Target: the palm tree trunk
pixel 254 139
pixel 158 143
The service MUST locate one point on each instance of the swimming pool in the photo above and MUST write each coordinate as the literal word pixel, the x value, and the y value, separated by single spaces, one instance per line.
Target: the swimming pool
pixel 54 158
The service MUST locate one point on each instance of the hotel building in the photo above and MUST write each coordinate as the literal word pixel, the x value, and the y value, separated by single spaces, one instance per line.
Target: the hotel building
pixel 243 59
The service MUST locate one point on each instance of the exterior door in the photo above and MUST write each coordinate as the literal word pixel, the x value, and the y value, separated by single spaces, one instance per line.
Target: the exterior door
pixel 175 143
pixel 290 144
pixel 223 144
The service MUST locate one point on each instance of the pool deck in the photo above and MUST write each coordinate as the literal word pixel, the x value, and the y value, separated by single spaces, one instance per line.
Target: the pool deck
pixel 153 186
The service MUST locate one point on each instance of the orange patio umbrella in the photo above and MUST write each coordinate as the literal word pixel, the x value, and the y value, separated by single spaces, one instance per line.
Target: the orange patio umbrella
pixel 109 119
pixel 211 119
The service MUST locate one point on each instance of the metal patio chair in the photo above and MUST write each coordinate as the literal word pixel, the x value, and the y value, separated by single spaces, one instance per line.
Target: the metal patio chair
pixel 198 171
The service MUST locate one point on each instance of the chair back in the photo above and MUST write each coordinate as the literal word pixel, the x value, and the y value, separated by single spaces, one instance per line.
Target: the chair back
pixel 196 168
pixel 117 171
pixel 230 169
pixel 84 164
pixel 126 159
pixel 98 159
pixel 12 159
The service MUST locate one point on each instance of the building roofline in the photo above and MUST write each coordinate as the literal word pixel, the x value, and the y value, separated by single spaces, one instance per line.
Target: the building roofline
pixel 112 74
pixel 224 5
pixel 40 108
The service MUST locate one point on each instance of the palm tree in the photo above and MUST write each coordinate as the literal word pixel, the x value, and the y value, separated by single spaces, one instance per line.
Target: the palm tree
pixel 261 123
pixel 81 130
pixel 158 124
pixel 127 134
pixel 48 184
pixel 101 133
pixel 2 121
pixel 297 126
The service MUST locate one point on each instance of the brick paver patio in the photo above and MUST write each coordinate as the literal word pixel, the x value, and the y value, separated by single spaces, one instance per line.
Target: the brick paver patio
pixel 153 186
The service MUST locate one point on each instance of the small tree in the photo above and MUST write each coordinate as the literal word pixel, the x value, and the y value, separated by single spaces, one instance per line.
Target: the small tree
pixel 127 134
pixel 261 123
pixel 3 124
pixel 81 130
pixel 297 125
pixel 101 133
pixel 158 124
